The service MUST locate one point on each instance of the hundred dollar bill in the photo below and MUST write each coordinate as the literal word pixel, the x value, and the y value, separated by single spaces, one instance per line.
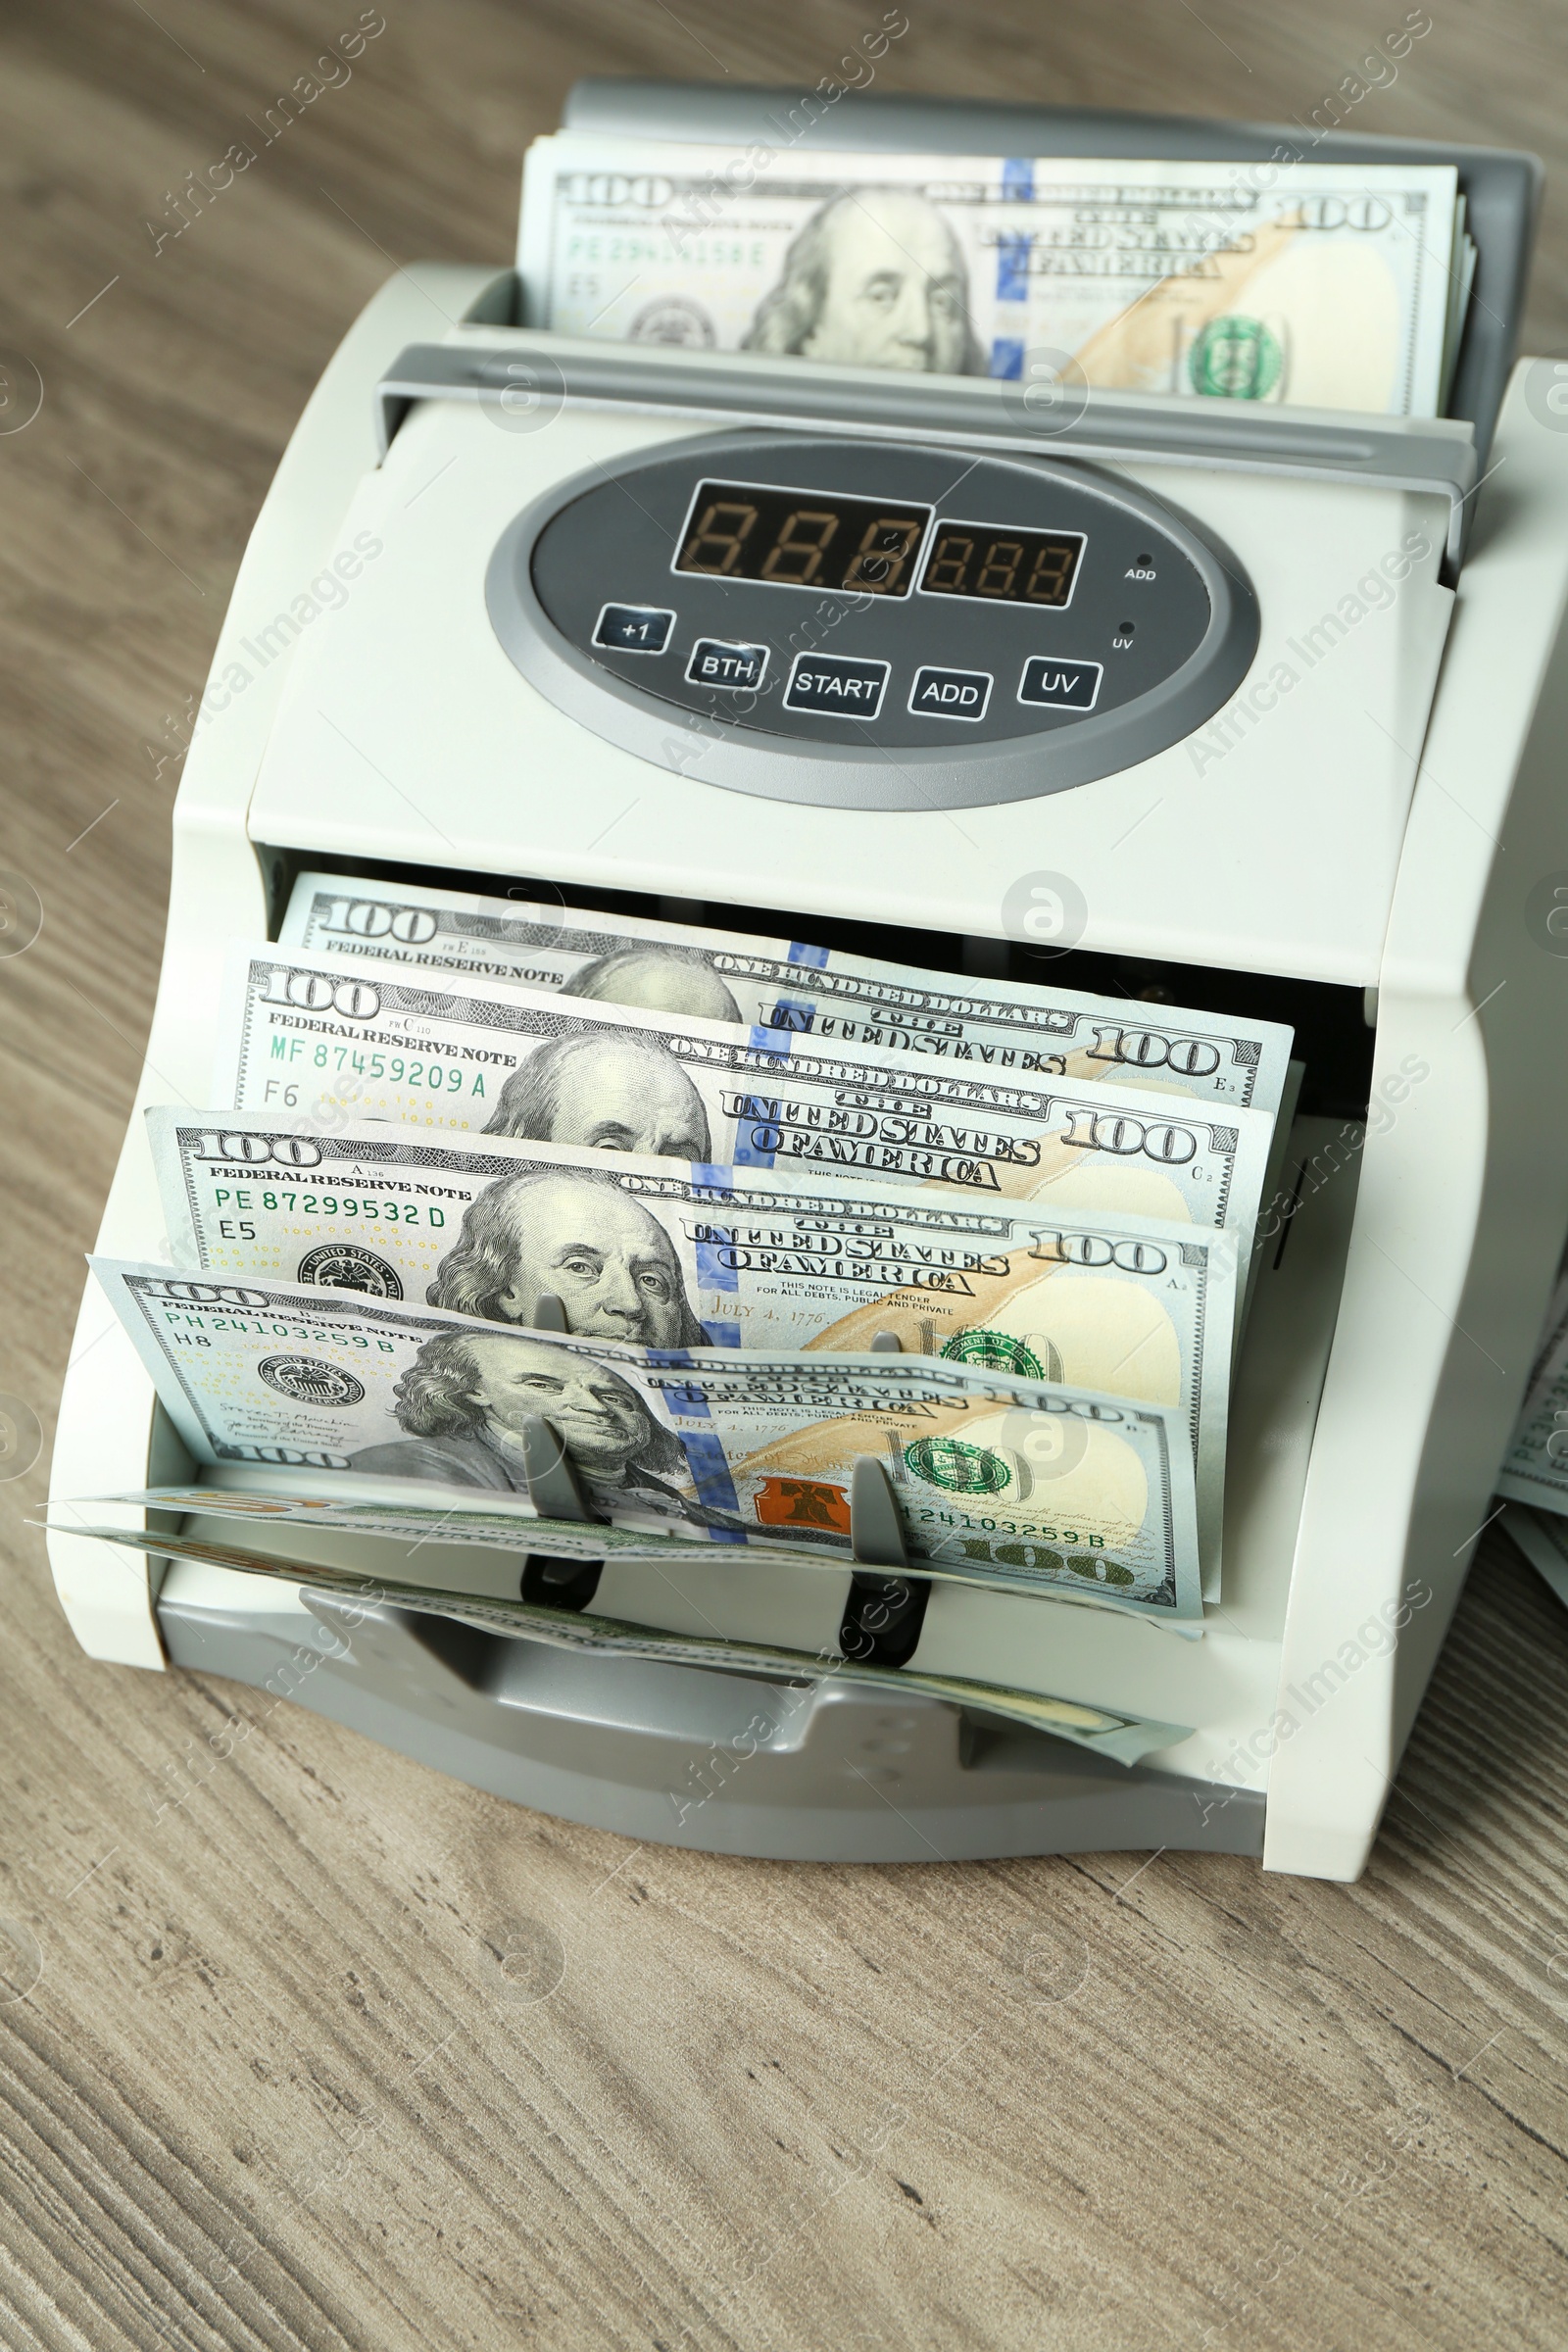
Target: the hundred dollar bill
pixel 360 1506
pixel 1535 1468
pixel 998 1480
pixel 849 1001
pixel 301 1032
pixel 1123 1738
pixel 1552 1329
pixel 1542 1538
pixel 1315 283
pixel 507 1526
pixel 646 1250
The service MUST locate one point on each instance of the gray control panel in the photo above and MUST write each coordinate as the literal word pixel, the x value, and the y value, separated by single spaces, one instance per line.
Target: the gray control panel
pixel 869 623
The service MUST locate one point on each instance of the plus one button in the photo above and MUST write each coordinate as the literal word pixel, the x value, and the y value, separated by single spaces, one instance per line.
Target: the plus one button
pixel 633 628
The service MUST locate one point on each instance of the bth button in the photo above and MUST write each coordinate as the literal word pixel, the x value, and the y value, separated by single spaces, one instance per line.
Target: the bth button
pixel 715 661
pixel 951 693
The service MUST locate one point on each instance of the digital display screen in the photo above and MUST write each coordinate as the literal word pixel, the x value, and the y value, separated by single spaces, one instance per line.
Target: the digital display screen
pixel 1007 567
pixel 802 539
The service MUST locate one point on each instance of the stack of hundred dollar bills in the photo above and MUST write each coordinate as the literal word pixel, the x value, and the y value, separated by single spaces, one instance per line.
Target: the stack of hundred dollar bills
pixel 729 1215
pixel 1326 286
pixel 1535 1471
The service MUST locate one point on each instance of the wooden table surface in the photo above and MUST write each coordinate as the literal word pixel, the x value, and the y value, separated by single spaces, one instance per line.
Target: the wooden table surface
pixel 288 2063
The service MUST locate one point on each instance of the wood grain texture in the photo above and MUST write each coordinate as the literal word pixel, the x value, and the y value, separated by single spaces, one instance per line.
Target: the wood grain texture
pixel 322 2050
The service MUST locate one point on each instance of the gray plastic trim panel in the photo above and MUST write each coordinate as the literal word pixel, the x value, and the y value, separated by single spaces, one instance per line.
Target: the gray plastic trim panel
pixel 671 1755
pixel 834 775
pixel 739 389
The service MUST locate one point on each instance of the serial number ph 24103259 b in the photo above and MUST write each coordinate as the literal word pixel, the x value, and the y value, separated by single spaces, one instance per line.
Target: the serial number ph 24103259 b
pixel 938 1516
pixel 199 1326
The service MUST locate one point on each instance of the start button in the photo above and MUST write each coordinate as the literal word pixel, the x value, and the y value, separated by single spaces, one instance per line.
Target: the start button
pixel 836 685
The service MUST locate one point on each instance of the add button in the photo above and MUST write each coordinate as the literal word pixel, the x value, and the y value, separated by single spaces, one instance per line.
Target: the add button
pixel 836 686
pixel 1058 685
pixel 951 693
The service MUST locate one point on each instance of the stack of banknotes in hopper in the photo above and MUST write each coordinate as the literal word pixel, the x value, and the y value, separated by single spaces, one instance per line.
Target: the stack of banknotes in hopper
pixel 1533 1484
pixel 771 1243
pixel 1326 286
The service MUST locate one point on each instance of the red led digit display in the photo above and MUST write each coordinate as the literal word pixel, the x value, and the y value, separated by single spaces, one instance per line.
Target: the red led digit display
pixel 802 539
pixel 1002 566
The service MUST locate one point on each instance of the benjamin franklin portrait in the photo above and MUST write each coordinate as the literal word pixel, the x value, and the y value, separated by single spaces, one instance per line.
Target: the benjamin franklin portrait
pixel 565 1229
pixel 659 979
pixel 874 280
pixel 616 1091
pixel 463 1401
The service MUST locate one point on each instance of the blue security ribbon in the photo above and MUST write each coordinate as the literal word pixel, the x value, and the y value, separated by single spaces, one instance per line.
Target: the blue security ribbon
pixel 1012 266
pixel 749 1152
pixel 716 1489
pixel 711 1271
pixel 793 1013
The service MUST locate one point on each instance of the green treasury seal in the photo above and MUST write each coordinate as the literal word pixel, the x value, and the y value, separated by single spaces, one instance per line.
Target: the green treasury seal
pixel 960 1468
pixel 1234 359
pixel 1000 1351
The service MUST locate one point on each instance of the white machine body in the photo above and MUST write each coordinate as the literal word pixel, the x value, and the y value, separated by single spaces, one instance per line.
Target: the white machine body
pixel 1370 808
pixel 1174 857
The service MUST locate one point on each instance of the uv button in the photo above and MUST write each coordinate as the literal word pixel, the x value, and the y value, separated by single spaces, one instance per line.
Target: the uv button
pixel 1058 685
pixel 836 686
pixel 951 693
pixel 716 662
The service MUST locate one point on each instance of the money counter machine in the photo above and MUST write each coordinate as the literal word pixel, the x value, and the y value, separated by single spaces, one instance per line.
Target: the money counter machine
pixel 1216 774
